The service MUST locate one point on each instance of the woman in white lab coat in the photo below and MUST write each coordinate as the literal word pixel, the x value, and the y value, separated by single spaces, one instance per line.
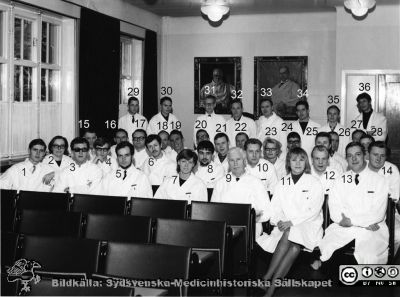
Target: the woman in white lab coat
pixel 185 185
pixel 297 215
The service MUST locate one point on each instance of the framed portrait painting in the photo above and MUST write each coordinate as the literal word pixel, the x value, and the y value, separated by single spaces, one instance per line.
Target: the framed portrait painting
pixel 283 80
pixel 217 76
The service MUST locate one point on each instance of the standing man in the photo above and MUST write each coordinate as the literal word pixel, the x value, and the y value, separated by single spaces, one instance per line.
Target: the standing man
pixel 126 180
pixel 271 125
pixel 90 136
pixel 260 168
pixel 119 136
pixel 140 155
pixel 200 136
pixel 28 175
pixel 241 139
pixel 210 122
pixel 305 127
pixel 370 121
pixel 238 123
pixel 357 206
pixel 164 120
pixel 284 94
pixel 221 143
pixel 132 120
pixel 82 176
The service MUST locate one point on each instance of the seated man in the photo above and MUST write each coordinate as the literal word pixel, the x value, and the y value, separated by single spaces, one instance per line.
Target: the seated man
pixel 208 171
pixel 82 176
pixel 158 166
pixel 185 185
pixel 28 175
pixel 126 180
pixel 119 136
pixel 240 139
pixel 260 168
pixel 221 143
pixel 357 206
pixel 324 139
pixel 321 168
pixel 103 159
pixel 140 155
pixel 335 140
pixel 239 186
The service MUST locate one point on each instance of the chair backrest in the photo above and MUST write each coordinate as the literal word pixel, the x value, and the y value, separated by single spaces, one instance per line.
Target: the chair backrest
pixel 118 228
pixel 194 234
pixel 43 200
pixel 49 223
pixel 159 208
pixel 9 245
pixel 390 221
pixel 8 200
pixel 58 254
pixel 148 261
pixel 98 204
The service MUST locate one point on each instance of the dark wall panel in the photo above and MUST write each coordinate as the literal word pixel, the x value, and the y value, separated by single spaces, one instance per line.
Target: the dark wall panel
pixel 150 85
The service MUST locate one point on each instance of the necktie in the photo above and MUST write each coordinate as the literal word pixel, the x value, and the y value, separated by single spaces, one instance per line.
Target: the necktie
pixel 34 168
pixel 237 179
pixel 133 119
pixel 124 175
pixel 356 179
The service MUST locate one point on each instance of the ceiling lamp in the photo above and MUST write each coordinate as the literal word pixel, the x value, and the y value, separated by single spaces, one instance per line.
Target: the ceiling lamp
pixel 215 9
pixel 359 8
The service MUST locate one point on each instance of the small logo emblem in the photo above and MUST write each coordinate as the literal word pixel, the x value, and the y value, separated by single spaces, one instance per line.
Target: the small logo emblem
pixel 393 272
pixel 348 275
pixel 24 270
pixel 380 271
pixel 367 272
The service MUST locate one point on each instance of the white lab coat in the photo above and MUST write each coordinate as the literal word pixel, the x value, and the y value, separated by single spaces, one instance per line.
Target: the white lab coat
pixel 365 204
pixel 300 203
pixel 273 127
pixel 212 123
pixel 170 153
pixel 193 189
pixel 376 121
pixel 343 138
pixel 107 166
pixel 156 124
pixel 308 137
pixel 280 167
pixel 113 152
pixel 265 171
pixel 244 124
pixel 125 122
pixel 248 190
pixel 210 174
pixel 50 160
pixel 327 178
pixel 158 169
pixel 224 164
pixel 339 160
pixel 135 184
pixel 140 157
pixel 20 177
pixel 84 179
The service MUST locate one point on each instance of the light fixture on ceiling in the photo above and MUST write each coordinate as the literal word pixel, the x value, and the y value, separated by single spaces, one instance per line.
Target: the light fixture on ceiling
pixel 359 8
pixel 215 9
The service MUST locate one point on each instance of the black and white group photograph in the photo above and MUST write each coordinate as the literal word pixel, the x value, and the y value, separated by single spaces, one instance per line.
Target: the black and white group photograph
pixel 200 148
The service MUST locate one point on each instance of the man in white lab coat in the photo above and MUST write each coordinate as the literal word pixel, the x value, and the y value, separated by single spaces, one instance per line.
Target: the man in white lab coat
pixel 28 175
pixel 185 185
pixel 370 121
pixel 126 180
pixel 141 154
pixel 120 135
pixel 210 122
pixel 158 166
pixel 176 141
pixel 221 143
pixel 82 176
pixel 259 167
pixel 240 139
pixel 132 120
pixel 103 159
pixel 200 136
pixel 377 162
pixel 271 125
pixel 164 120
pixel 208 171
pixel 321 168
pixel 357 206
pixel 305 127
pixel 239 123
pixel 337 162
pixel 90 135
pixel 239 186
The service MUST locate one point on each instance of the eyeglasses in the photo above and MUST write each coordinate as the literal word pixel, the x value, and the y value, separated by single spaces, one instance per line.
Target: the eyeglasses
pixel 102 149
pixel 270 149
pixel 60 147
pixel 141 138
pixel 77 150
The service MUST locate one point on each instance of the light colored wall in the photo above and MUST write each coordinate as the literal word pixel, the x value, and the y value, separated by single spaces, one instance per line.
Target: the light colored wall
pixel 307 34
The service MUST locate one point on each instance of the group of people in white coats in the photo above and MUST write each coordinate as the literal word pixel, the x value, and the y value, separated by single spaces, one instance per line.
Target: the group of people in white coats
pixel 294 163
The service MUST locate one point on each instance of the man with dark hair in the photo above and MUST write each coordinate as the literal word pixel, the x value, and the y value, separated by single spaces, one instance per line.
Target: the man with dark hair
pixel 164 120
pixel 305 127
pixel 365 141
pixel 132 120
pixel 126 180
pixel 221 144
pixel 240 139
pixel 158 166
pixel 259 167
pixel 211 122
pixel 357 206
pixel 370 121
pixel 185 185
pixel 201 135
pixel 208 171
pixel 166 145
pixel 176 140
pixel 90 135
pixel 103 159
pixel 333 125
pixel 357 134
pixel 120 135
pixel 239 123
pixel 28 175
pixel 82 176
pixel 141 154
pixel 293 140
